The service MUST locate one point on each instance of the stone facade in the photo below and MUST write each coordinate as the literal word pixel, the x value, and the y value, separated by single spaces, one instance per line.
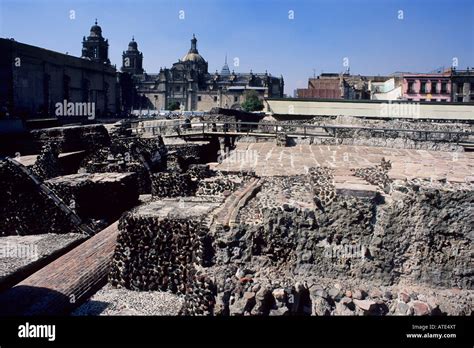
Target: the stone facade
pixel 462 85
pixel 189 83
pixel 33 80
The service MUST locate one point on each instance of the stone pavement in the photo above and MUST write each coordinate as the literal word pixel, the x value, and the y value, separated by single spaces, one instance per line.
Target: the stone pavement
pixel 267 159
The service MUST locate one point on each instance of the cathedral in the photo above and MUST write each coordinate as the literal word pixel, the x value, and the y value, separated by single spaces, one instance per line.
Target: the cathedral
pixel 189 85
pixel 95 47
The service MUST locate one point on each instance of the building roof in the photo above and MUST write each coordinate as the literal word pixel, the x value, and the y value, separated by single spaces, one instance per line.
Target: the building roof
pixel 193 54
pixel 96 30
pixel 225 69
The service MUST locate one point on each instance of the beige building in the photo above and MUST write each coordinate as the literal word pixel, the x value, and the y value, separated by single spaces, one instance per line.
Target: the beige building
pixel 189 85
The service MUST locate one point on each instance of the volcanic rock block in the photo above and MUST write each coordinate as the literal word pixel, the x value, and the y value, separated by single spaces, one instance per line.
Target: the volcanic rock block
pixel 73 138
pixel 281 139
pixel 99 195
pixel 47 164
pixel 201 292
pixel 171 184
pixel 216 186
pixel 377 175
pixel 24 209
pixel 141 156
pixel 160 242
pixel 322 181
pixel 199 171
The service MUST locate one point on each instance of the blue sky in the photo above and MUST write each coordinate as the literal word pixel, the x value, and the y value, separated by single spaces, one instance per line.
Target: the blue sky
pixel 260 33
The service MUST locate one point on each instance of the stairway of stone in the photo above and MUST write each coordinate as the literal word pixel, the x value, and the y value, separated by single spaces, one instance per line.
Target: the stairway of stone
pixel 348 184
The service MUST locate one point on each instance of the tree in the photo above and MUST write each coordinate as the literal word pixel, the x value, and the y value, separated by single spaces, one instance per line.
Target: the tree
pixel 173 105
pixel 252 102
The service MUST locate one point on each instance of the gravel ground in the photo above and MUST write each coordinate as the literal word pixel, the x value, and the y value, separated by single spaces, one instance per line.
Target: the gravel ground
pixel 112 301
pixel 18 252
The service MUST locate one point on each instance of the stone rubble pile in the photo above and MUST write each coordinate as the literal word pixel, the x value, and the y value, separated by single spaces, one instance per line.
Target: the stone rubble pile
pixel 281 139
pixel 218 186
pixel 138 155
pixel 47 164
pixel 322 182
pixel 247 293
pixel 377 175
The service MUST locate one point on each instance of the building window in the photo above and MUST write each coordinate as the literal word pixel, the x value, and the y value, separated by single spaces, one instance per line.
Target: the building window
pixel 460 99
pixel 444 87
pixel 472 87
pixel 236 99
pixel 215 99
pixel 411 87
pixel 423 87
pixel 434 88
pixel 178 88
pixel 199 98
pixel 459 88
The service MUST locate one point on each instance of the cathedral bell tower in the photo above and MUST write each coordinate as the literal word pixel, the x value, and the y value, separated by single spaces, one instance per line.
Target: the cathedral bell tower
pixel 132 59
pixel 95 47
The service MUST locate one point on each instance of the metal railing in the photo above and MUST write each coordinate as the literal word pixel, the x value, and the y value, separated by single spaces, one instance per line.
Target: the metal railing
pixel 272 129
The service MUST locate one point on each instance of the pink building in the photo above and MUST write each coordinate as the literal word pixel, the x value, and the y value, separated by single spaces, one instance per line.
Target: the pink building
pixel 427 87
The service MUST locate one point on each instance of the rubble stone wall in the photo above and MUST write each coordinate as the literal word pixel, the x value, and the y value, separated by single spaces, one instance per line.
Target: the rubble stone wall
pixel 24 210
pixel 72 138
pixel 417 234
pixel 159 245
pixel 98 196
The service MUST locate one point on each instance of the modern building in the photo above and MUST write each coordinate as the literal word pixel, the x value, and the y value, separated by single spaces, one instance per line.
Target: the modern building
pixel 390 88
pixel 434 87
pixel 189 84
pixel 462 85
pixel 325 86
pixel 34 80
pixel 336 86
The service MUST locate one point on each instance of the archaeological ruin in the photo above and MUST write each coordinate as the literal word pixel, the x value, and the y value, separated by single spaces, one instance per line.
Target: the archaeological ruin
pixel 229 215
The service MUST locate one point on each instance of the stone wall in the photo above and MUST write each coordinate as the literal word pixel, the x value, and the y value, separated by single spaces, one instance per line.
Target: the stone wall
pixel 160 244
pixel 138 155
pixel 97 196
pixel 417 234
pixel 24 210
pixel 72 138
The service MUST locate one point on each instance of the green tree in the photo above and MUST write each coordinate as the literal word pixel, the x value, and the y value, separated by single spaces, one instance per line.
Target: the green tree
pixel 252 102
pixel 173 105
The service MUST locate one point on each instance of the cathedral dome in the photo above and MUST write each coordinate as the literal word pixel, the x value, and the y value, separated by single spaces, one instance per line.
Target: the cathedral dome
pixel 96 30
pixel 193 54
pixel 193 57
pixel 132 45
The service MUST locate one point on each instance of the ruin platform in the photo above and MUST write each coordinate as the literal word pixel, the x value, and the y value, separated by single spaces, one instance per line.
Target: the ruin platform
pixel 267 159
